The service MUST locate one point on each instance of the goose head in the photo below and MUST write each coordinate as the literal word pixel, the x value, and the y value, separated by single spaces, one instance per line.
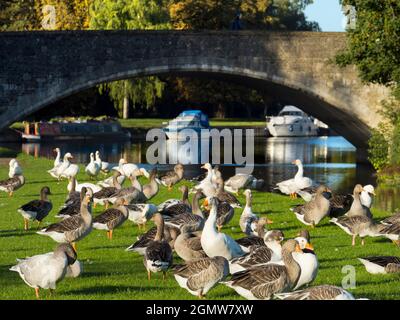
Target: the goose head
pixel 178 168
pixel 97 155
pixel 13 163
pixel 358 189
pixel 122 161
pixel 248 193
pixel 68 156
pixel 56 150
pixel 369 189
pixel 207 166
pixel 275 236
pixel 297 162
pixel 303 239
pixel 325 191
pixel 44 192
pixel 87 195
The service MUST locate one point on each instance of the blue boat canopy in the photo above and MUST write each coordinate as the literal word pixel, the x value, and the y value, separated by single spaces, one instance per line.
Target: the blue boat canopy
pixel 198 114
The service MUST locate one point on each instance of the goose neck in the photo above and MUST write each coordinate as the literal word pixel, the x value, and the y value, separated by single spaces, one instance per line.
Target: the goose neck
pixel 293 269
pixel 300 171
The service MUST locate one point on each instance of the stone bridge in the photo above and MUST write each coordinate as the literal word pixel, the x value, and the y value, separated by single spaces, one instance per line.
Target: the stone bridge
pixel 39 68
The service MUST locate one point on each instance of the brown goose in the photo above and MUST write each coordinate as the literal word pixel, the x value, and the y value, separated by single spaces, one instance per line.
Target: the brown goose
pixel 139 246
pixel 188 245
pixel 132 194
pixel 381 265
pixel 391 232
pixel 262 282
pixel 224 196
pixel 225 213
pixel 171 202
pixel 175 208
pixel 36 209
pixel 258 239
pixel 172 177
pixel 74 228
pixel 72 206
pixel 394 219
pixel 192 217
pixel 314 211
pixel 358 225
pixel 324 292
pixel 269 251
pixel 112 218
pixel 200 276
pixel 158 254
pixel 357 209
pixel 12 184
pixel 101 197
pixel 151 189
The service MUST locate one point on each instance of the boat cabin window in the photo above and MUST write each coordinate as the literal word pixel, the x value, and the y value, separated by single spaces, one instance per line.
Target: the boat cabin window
pixel 291 113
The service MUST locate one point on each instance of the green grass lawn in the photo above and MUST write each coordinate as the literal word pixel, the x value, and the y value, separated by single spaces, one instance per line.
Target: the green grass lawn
pixel 112 273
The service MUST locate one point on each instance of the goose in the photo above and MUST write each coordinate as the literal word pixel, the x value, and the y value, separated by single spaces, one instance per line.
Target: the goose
pixel 101 197
pixel 356 207
pixel 391 232
pixel 366 195
pixel 257 239
pixel 248 220
pixel 104 166
pixel 36 209
pixel 314 211
pixel 307 260
pixel 269 251
pixel 109 182
pixel 12 184
pixel 225 196
pixel 93 168
pixel 112 218
pixel 215 243
pixel 200 276
pixel 130 194
pixel 188 245
pixel 128 169
pixel 151 189
pixel 72 206
pixel 66 169
pixel 73 183
pixel 43 271
pixel 172 177
pixel 168 205
pixel 14 169
pixel 74 228
pixel 139 246
pixel 242 181
pixel 358 225
pixel 381 265
pixel 394 219
pixel 225 213
pixel 206 185
pixel 263 281
pixel 158 254
pixel 57 163
pixel 295 184
pixel 71 171
pixel 323 292
pixel 139 213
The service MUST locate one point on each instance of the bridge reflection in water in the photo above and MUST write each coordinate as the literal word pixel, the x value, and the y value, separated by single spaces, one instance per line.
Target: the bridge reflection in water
pixel 328 160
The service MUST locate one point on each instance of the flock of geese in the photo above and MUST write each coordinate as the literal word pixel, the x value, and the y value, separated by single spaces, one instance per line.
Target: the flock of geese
pixel 260 265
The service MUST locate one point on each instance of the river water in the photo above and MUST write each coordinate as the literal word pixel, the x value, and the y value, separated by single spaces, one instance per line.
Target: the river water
pixel 327 160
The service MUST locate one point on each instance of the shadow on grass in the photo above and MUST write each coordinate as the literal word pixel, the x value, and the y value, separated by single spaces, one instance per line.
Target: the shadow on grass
pixel 111 290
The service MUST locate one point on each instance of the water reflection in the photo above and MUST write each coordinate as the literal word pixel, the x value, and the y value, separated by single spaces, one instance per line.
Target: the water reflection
pixel 328 160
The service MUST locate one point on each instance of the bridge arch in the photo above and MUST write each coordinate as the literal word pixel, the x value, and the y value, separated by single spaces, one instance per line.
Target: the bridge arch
pixel 43 67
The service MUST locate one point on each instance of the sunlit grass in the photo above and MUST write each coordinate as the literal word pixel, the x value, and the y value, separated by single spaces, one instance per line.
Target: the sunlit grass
pixel 112 273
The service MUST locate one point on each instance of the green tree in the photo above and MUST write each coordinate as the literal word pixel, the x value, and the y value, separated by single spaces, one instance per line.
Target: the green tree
pixel 373 46
pixel 124 15
pixel 17 15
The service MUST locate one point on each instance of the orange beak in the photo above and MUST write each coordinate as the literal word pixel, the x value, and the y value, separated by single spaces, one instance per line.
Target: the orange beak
pixel 298 249
pixel 269 221
pixel 309 246
pixel 205 202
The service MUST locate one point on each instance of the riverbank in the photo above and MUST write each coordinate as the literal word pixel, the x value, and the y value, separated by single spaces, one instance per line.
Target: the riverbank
pixel 112 273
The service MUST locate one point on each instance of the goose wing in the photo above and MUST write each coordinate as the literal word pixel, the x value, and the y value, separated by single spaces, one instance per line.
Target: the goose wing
pixel 383 261
pixel 261 281
pixel 324 292
pixel 105 193
pixel 159 251
pixel 111 217
pixel 250 241
pixel 257 255
pixel 69 224
pixel 10 183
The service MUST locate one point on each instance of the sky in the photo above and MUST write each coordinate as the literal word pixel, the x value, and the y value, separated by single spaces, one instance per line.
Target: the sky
pixel 327 13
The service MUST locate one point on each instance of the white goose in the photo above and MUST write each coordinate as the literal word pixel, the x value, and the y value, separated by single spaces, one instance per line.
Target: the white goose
pixel 366 195
pixel 57 163
pixel 206 185
pixel 79 186
pixel 67 169
pixel 295 184
pixel 104 166
pixel 215 243
pixel 93 168
pixel 14 169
